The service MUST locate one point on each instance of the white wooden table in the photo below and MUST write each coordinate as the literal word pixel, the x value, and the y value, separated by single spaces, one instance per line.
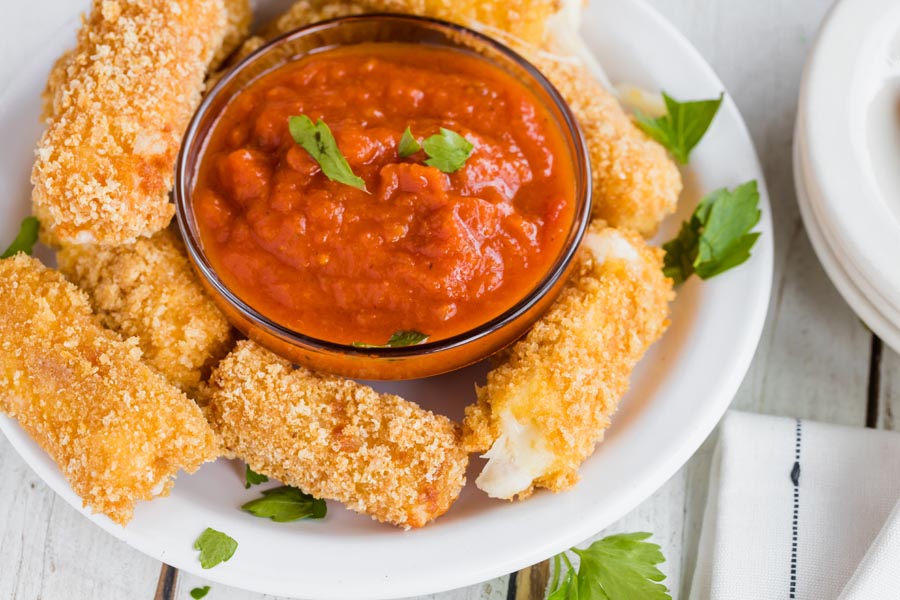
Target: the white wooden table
pixel 816 359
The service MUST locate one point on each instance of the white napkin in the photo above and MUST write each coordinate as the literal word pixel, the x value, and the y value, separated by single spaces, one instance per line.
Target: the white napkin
pixel 792 511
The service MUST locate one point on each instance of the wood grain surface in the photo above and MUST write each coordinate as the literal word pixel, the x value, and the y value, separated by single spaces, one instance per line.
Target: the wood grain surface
pixel 815 360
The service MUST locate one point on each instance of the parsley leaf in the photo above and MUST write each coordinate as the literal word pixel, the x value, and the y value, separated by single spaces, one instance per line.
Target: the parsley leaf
pixel 253 478
pixel 620 567
pixel 683 125
pixel 566 589
pixel 408 144
pixel 199 592
pixel 25 240
pixel 283 504
pixel 319 142
pixel 717 237
pixel 399 339
pixel 448 151
pixel 215 547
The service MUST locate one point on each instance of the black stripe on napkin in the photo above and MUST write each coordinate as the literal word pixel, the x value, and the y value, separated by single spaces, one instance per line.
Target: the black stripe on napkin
pixel 795 479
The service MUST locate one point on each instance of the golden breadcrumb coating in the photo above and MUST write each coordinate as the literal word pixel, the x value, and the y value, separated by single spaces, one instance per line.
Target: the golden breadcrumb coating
pixel 104 166
pixel 548 402
pixel 635 183
pixel 250 45
pixel 524 19
pixel 147 289
pixel 57 77
pixel 239 16
pixel 335 438
pixel 117 430
pixel 306 12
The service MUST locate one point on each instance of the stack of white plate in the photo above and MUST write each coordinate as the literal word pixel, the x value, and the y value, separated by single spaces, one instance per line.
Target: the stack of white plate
pixel 847 158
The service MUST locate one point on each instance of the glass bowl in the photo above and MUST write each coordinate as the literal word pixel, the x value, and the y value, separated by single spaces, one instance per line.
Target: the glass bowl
pixel 422 360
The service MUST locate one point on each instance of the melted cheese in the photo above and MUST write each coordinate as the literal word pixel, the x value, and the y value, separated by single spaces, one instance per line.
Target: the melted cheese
pixel 518 457
pixel 610 244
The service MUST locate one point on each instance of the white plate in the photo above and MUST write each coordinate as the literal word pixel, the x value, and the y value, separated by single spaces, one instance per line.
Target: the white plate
pixel 679 393
pixel 850 101
pixel 858 298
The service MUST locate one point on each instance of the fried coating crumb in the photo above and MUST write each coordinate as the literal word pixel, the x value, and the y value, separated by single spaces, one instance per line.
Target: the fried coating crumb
pixel 57 77
pixel 117 430
pixel 524 19
pixel 306 12
pixel 104 166
pixel 545 407
pixel 148 290
pixel 635 183
pixel 335 438
pixel 239 18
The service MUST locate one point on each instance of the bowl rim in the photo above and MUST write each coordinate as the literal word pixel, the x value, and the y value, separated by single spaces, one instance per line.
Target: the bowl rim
pixel 581 219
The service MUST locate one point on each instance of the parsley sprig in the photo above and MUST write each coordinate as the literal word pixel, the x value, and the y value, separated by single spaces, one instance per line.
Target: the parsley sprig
pixel 251 478
pixel 408 144
pixel 683 125
pixel 215 547
pixel 199 592
pixel 447 150
pixel 284 504
pixel 399 339
pixel 26 238
pixel 618 567
pixel 717 236
pixel 317 139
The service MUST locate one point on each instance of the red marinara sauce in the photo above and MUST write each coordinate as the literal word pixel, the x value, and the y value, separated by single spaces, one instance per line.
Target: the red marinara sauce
pixel 423 250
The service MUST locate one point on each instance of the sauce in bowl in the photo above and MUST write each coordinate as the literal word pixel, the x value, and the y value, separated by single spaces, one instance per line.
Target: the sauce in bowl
pixel 422 250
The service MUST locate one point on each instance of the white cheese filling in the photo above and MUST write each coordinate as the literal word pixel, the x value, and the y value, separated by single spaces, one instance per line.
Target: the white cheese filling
pixel 518 457
pixel 611 244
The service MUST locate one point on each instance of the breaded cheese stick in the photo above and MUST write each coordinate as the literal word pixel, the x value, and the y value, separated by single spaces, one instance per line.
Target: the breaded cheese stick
pixel 239 16
pixel 522 19
pixel 117 430
pixel 104 166
pixel 148 290
pixel 335 438
pixel 635 182
pixel 545 407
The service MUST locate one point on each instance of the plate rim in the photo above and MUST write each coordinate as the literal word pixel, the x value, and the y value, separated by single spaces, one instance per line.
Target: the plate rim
pixel 863 234
pixel 839 274
pixel 653 478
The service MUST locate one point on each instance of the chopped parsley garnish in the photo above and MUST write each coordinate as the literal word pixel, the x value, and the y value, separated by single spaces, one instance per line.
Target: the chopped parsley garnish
pixel 408 144
pixel 251 477
pixel 26 238
pixel 284 504
pixel 447 151
pixel 215 547
pixel 199 592
pixel 616 567
pixel 399 339
pixel 683 125
pixel 319 142
pixel 717 237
